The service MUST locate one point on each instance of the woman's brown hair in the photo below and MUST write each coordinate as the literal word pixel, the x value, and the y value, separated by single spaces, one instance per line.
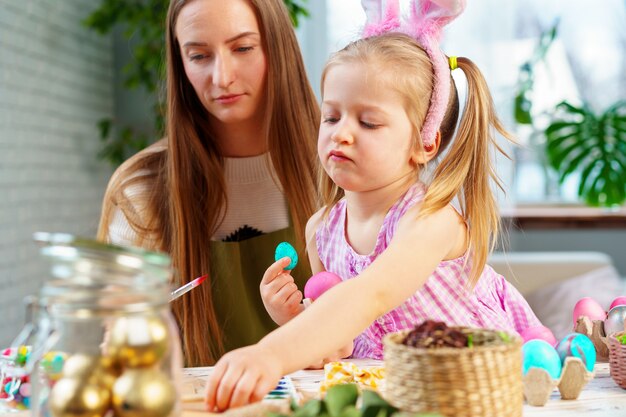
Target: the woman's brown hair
pixel 172 193
pixel 467 169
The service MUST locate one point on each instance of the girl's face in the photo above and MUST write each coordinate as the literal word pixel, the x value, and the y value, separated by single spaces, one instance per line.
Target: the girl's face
pixel 365 139
pixel 220 45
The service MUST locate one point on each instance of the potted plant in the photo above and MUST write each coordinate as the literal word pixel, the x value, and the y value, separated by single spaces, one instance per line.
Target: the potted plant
pixel 578 140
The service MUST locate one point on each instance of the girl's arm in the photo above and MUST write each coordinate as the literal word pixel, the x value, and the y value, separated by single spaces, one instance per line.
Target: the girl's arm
pixel 341 314
pixel 311 242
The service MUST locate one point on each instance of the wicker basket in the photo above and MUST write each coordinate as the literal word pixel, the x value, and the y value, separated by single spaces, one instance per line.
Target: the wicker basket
pixel 617 360
pixel 482 381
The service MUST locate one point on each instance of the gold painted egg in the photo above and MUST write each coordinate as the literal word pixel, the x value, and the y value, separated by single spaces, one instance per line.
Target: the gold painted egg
pixel 72 397
pixel 143 392
pixel 91 368
pixel 138 341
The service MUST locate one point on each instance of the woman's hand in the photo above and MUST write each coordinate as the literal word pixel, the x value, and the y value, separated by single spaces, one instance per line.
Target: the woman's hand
pixel 241 377
pixel 280 293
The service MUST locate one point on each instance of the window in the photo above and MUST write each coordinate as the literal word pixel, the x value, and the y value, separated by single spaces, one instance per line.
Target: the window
pixel 586 62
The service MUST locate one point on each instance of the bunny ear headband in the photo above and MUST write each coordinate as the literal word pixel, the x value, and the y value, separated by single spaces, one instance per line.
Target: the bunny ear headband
pixel 427 19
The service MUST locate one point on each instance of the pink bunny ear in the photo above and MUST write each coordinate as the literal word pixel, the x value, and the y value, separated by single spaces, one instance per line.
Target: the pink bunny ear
pixel 381 16
pixel 428 17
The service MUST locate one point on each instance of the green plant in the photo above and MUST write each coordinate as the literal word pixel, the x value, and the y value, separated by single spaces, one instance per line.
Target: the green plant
pixel 341 401
pixel 594 145
pixel 576 139
pixel 144 24
pixel 526 78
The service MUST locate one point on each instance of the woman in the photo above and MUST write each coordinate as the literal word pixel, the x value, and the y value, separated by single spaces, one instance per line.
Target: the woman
pixel 241 127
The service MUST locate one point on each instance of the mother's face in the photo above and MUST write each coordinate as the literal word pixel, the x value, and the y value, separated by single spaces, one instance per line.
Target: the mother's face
pixel 220 45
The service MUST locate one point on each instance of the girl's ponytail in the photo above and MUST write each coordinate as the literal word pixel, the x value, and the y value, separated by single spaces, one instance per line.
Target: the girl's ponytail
pixel 467 170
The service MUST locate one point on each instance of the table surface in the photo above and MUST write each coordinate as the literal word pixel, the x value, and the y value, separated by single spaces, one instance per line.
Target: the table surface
pixel 601 397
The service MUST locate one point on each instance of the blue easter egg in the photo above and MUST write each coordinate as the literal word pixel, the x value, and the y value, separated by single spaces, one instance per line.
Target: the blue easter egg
pixel 540 354
pixel 285 249
pixel 579 346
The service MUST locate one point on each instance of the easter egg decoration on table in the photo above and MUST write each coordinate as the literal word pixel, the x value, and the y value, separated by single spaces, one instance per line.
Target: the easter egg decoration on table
pixel 538 332
pixel 540 354
pixel 284 249
pixel 319 283
pixel 619 301
pixel 579 346
pixel 615 320
pixel 588 307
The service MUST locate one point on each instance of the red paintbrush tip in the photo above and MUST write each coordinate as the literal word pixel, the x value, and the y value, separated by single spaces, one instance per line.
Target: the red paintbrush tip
pixel 199 280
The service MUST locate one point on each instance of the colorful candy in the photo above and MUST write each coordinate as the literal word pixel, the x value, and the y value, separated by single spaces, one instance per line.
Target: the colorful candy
pixel 284 249
pixel 16 387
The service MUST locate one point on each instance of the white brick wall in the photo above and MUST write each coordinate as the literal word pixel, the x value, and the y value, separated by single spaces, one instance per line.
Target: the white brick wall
pixel 56 82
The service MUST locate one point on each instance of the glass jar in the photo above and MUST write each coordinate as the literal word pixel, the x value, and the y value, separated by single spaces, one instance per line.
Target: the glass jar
pixel 106 339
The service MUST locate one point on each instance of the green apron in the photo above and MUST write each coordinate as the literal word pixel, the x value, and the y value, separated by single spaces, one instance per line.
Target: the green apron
pixel 237 269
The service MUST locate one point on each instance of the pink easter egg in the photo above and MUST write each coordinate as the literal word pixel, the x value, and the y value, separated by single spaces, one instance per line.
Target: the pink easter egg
pixel 619 301
pixel 590 308
pixel 319 283
pixel 538 332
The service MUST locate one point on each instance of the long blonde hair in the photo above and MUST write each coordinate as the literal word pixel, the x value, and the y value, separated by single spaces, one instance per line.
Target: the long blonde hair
pixel 178 211
pixel 466 170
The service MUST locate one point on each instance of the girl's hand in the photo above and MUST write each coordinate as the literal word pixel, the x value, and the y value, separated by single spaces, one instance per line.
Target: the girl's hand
pixel 280 293
pixel 342 353
pixel 242 376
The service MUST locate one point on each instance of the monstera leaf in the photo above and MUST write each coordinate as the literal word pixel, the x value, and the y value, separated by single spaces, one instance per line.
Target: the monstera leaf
pixel 595 146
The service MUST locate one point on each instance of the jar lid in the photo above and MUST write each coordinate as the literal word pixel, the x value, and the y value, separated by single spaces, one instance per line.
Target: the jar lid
pixel 86 273
pixel 69 247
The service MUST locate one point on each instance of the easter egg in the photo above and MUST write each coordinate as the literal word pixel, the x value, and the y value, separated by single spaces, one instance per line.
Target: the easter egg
pixel 579 346
pixel 71 397
pixel 538 332
pixel 143 392
pixel 138 341
pixel 285 249
pixel 619 301
pixel 540 354
pixel 614 322
pixel 590 308
pixel 319 283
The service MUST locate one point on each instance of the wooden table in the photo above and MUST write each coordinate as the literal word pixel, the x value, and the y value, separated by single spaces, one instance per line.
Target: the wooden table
pixel 601 397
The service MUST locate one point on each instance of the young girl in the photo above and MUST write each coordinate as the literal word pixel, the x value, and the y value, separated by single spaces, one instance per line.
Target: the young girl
pixel 404 252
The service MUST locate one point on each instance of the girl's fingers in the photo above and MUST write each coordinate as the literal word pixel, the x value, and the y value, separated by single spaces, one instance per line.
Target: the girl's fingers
pixel 294 298
pixel 285 292
pixel 262 388
pixel 244 389
pixel 226 387
pixel 212 385
pixel 279 282
pixel 274 270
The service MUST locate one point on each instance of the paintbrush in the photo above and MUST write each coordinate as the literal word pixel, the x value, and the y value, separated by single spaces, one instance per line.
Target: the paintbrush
pixel 187 287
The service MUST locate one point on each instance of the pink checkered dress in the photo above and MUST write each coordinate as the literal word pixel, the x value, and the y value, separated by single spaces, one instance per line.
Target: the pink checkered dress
pixel 493 303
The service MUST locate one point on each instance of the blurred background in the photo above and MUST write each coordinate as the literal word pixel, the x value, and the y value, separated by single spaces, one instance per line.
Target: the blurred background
pixel 79 92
